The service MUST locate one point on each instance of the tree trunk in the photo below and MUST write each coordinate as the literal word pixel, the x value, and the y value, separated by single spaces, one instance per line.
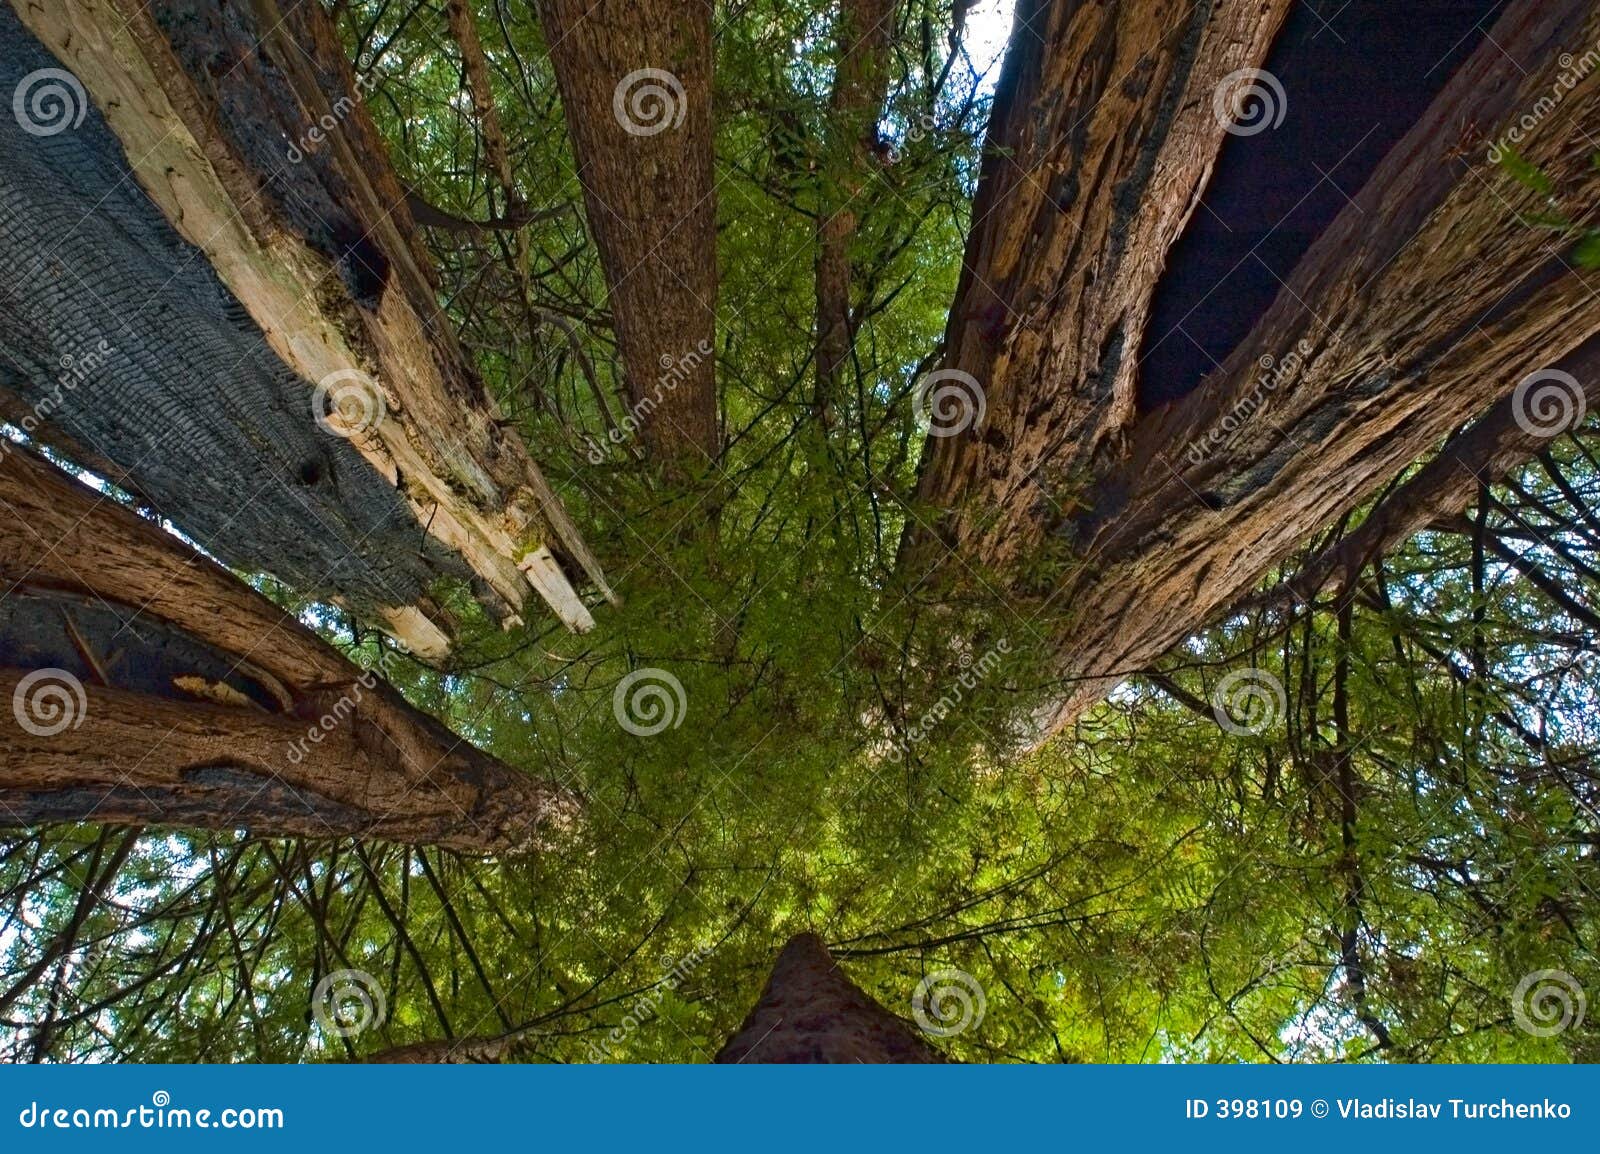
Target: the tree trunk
pixel 810 1012
pixel 148 686
pixel 1104 131
pixel 264 241
pixel 635 81
pixel 1428 299
pixel 862 31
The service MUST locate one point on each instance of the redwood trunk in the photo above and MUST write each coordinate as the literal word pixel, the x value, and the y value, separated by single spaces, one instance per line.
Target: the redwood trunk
pixel 635 81
pixel 163 691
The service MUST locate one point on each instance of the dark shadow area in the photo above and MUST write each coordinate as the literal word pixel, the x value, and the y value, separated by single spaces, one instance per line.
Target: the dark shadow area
pixel 1357 75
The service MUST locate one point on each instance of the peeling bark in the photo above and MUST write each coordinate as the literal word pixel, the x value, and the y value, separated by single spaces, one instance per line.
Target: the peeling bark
pixel 643 143
pixel 308 744
pixel 811 1013
pixel 244 126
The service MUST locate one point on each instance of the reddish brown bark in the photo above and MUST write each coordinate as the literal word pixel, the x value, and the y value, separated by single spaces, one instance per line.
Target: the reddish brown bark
pixel 266 727
pixel 635 81
pixel 1428 300
pixel 810 1012
pixel 1103 134
pixel 862 31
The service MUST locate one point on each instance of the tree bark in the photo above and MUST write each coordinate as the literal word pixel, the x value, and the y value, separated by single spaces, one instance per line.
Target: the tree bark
pixel 1482 454
pixel 862 32
pixel 243 124
pixel 1428 299
pixel 1103 135
pixel 185 698
pixel 635 81
pixel 1425 302
pixel 810 1013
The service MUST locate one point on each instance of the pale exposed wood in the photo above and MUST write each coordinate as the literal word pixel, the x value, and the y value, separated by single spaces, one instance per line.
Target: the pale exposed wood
pixel 470 482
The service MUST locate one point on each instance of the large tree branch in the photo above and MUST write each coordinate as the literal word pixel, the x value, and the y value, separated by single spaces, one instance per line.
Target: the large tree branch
pixel 1103 134
pixel 226 713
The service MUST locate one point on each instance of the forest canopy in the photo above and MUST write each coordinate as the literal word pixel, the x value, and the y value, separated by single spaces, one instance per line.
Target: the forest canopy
pixel 1075 730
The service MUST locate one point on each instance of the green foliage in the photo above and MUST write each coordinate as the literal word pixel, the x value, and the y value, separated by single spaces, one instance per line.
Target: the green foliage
pixel 854 752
